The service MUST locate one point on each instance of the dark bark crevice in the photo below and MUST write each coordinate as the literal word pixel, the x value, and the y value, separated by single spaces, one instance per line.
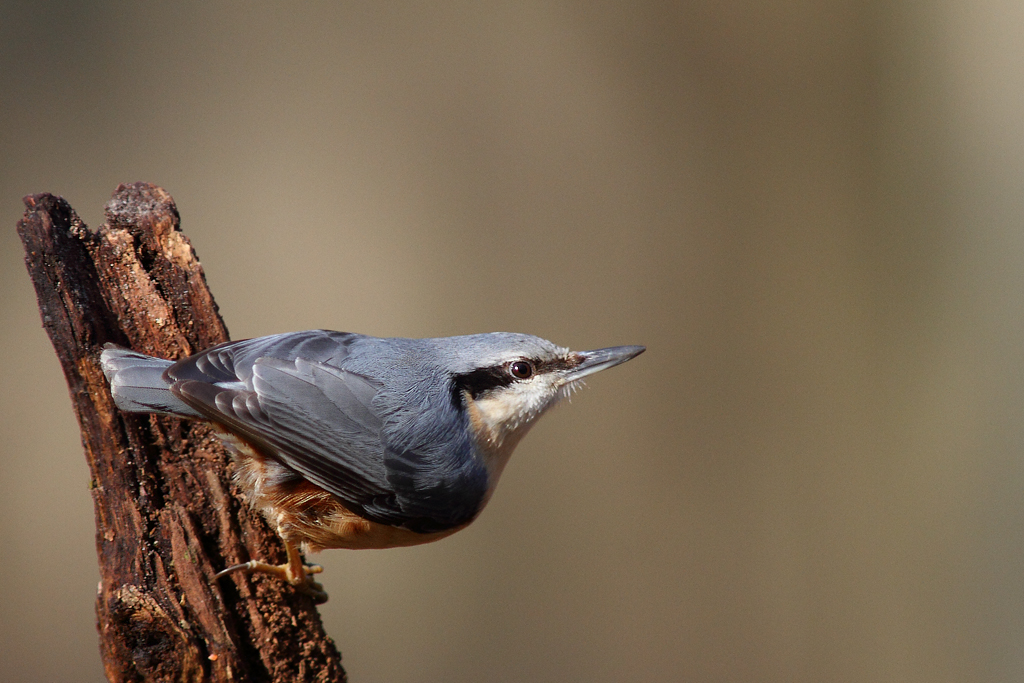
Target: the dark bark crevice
pixel 168 516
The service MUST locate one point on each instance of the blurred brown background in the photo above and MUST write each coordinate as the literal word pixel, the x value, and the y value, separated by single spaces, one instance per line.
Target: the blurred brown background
pixel 812 213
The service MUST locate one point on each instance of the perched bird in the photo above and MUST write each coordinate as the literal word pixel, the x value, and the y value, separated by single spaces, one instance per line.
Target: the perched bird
pixel 344 440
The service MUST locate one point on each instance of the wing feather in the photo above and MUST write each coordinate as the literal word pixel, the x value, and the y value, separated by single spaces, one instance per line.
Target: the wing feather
pixel 291 397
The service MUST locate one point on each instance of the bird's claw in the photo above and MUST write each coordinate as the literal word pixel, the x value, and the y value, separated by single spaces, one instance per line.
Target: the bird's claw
pixel 301 578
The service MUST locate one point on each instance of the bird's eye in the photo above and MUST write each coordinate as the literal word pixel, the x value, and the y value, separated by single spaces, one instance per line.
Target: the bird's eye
pixel 520 369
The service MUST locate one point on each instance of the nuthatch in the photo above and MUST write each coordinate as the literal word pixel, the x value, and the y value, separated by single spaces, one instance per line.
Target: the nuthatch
pixel 347 441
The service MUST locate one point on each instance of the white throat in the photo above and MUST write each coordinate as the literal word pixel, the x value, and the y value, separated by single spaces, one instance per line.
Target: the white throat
pixel 501 419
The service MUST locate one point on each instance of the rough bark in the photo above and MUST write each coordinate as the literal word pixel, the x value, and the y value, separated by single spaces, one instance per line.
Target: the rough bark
pixel 167 515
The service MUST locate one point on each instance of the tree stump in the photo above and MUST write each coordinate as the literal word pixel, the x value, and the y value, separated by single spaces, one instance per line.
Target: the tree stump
pixel 167 515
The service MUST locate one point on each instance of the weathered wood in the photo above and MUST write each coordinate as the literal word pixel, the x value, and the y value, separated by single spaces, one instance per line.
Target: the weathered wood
pixel 167 515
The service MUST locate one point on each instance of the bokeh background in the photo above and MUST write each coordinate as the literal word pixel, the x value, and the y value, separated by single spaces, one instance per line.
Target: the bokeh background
pixel 812 213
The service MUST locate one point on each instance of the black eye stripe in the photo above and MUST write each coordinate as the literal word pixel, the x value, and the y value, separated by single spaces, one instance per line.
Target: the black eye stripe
pixel 556 364
pixel 480 381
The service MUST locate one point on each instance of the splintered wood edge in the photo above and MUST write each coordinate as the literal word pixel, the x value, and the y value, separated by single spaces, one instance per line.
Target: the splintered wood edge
pixel 95 287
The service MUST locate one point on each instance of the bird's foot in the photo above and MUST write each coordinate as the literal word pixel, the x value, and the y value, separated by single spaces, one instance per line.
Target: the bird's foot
pixel 295 572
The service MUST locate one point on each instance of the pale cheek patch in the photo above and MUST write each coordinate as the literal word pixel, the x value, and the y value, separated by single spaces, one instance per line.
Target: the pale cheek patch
pixel 507 410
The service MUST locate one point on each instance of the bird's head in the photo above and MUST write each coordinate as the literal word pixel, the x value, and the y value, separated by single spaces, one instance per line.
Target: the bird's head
pixel 506 381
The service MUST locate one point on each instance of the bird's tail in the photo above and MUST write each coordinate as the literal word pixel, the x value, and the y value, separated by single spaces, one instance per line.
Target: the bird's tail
pixel 137 383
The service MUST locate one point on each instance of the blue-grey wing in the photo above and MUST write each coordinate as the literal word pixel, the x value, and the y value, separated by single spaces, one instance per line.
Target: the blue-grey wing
pixel 313 418
pixel 291 396
pixel 234 361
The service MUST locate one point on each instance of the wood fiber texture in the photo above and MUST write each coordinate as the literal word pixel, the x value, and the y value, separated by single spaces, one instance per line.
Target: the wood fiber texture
pixel 167 515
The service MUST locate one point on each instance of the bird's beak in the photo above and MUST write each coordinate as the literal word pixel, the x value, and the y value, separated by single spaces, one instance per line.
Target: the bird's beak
pixel 601 359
